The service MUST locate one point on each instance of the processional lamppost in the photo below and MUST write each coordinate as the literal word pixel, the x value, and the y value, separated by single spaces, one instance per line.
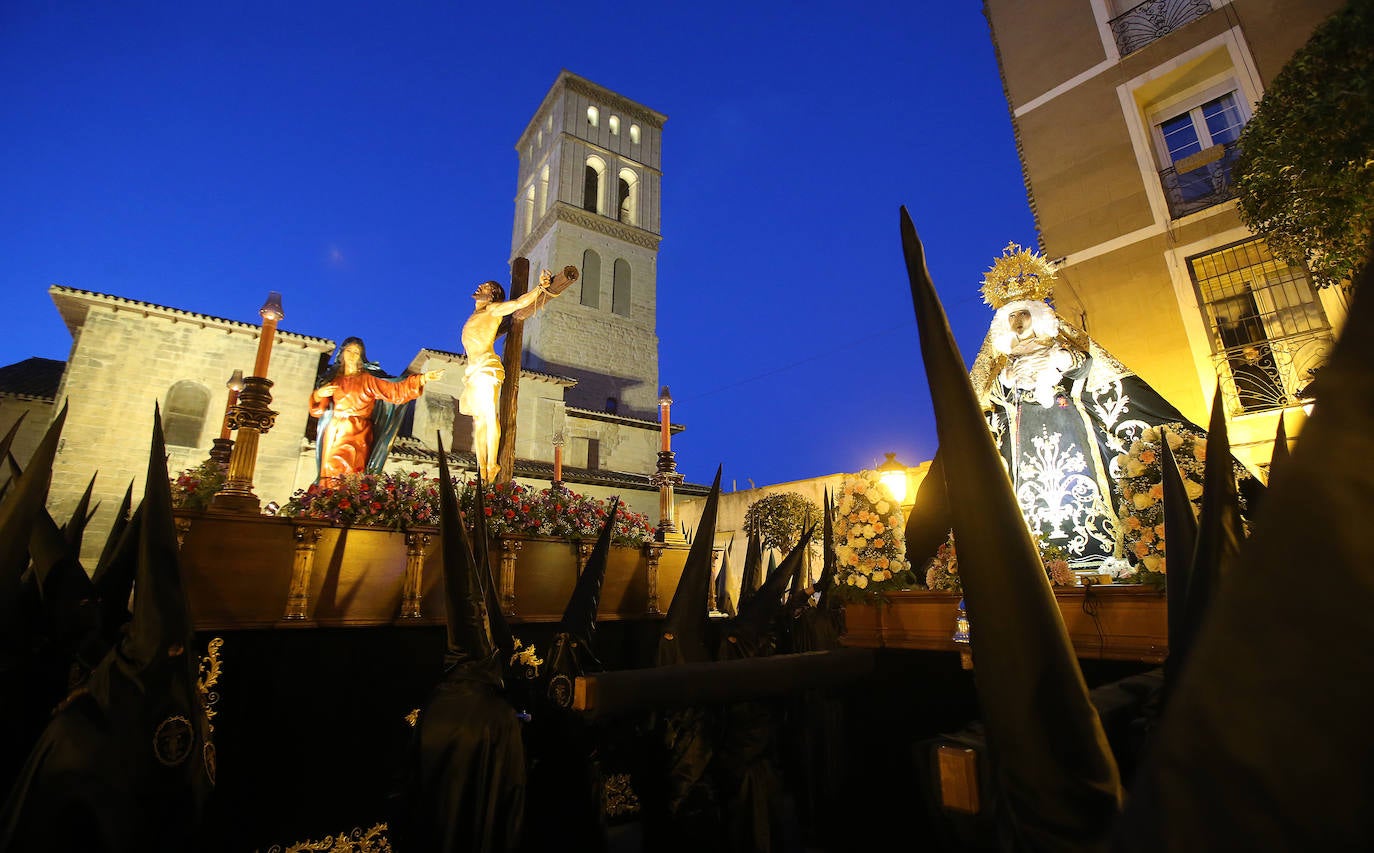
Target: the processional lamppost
pixel 557 461
pixel 893 474
pixel 251 416
pixel 666 477
pixel 222 447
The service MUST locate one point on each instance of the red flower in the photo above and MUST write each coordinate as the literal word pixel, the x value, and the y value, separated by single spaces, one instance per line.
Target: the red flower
pixel 488 511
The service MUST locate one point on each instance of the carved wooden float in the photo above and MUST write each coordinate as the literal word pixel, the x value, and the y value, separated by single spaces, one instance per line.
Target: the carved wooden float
pixel 1105 622
pixel 247 571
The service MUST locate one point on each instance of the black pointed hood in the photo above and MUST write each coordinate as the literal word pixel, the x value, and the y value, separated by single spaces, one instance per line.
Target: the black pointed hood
pixel 572 652
pixel 683 639
pixel 75 528
pixel 114 577
pixel 481 551
pixel 1220 532
pixel 471 654
pixel 121 523
pixel 723 601
pixel 748 633
pixel 17 513
pixel 928 524
pixel 579 617
pixel 1059 780
pixel 829 562
pixel 752 574
pixel 1280 456
pixel 1180 541
pixel 161 620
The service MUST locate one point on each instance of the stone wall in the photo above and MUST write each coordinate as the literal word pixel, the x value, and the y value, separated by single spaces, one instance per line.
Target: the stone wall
pixel 126 358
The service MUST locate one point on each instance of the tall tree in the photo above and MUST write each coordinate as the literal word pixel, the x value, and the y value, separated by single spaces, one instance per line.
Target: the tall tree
pixel 1305 176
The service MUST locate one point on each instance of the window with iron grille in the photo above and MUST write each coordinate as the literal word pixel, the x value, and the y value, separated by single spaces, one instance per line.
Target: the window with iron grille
pixel 1269 333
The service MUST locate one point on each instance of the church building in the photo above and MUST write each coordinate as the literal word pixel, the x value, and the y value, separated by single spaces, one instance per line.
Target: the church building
pixel 588 195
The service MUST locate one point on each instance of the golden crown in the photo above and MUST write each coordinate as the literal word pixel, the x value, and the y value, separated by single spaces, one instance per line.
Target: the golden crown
pixel 1018 274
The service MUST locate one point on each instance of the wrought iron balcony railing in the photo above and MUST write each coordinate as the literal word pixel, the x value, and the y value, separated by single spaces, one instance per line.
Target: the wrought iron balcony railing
pixel 1206 183
pixel 1272 374
pixel 1153 19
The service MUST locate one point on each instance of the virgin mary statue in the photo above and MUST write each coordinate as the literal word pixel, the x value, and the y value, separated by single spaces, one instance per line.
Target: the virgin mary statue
pixel 1060 408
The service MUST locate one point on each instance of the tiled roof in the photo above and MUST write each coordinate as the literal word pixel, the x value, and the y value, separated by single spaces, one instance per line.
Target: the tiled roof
pixel 414 450
pixel 32 377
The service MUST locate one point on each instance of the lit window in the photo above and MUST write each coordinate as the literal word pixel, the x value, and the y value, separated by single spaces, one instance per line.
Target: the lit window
pixel 1197 149
pixel 590 279
pixel 544 190
pixel 634 133
pixel 627 196
pixel 529 208
pixel 593 116
pixel 614 124
pixel 183 418
pixel 591 185
pixel 1269 332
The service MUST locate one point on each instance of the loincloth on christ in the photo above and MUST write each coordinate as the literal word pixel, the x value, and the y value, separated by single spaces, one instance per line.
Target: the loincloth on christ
pixel 482 377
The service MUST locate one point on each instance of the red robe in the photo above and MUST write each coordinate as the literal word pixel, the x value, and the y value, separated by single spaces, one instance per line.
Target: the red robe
pixel 347 440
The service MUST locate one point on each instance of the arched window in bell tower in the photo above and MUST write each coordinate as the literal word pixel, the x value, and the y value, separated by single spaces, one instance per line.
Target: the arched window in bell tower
pixel 591 279
pixel 544 190
pixel 593 116
pixel 591 186
pixel 627 199
pixel 620 288
pixel 529 209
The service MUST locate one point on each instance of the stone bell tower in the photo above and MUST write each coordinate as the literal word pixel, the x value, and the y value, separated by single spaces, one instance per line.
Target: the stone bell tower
pixel 588 195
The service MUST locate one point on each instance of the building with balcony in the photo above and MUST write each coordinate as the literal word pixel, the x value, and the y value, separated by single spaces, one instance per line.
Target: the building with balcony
pixel 1126 118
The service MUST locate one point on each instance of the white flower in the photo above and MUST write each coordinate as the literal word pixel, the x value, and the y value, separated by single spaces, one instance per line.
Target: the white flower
pixel 1153 563
pixel 859 580
pixel 860 543
pixel 1175 440
pixel 1151 434
pixel 1143 500
pixel 883 507
pixel 1193 488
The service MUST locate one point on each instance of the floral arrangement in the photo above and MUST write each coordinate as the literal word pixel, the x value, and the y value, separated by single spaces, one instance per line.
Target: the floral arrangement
pixel 394 500
pixel 869 550
pixel 942 573
pixel 193 488
pixel 1142 494
pixel 403 500
pixel 513 508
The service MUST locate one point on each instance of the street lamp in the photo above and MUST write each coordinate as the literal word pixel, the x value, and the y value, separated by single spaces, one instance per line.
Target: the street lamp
pixel 892 474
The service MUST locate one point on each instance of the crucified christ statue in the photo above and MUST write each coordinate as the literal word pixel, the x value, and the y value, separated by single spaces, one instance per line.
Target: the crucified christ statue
pixel 481 396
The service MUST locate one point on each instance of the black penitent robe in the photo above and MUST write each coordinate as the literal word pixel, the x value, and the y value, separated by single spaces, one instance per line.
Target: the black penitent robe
pixel 465 786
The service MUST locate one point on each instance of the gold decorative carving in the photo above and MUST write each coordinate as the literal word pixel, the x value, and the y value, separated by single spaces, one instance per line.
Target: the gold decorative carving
pixel 209 676
pixel 416 543
pixel 509 548
pixel 183 527
pixel 302 564
pixel 356 840
pixel 621 798
pixel 413 718
pixel 584 553
pixel 655 552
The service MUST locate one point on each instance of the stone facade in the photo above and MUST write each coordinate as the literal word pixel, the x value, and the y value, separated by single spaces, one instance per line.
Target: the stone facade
pixel 128 355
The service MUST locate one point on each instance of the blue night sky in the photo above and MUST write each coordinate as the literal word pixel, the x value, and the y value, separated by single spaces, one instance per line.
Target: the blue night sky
pixel 359 158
